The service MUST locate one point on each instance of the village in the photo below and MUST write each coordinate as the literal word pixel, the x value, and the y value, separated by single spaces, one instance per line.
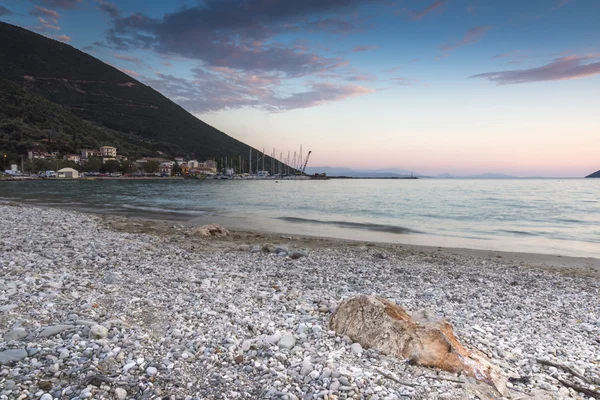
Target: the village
pixel 105 162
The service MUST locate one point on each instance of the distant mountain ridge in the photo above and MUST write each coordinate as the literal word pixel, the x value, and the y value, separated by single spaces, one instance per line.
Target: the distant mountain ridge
pixel 488 175
pixel 359 173
pixel 126 110
pixel 594 175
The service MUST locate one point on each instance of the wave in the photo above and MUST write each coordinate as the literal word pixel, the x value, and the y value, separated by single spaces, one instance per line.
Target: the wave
pixel 355 225
pixel 520 233
pixel 162 210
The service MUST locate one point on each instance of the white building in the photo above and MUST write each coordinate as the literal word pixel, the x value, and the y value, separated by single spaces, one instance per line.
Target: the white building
pixel 108 151
pixel 67 173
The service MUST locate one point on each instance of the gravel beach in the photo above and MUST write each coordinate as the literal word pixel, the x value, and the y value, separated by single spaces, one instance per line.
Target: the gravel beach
pixel 97 308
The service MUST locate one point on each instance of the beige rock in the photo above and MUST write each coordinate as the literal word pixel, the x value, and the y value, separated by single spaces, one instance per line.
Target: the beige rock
pixel 212 230
pixel 378 323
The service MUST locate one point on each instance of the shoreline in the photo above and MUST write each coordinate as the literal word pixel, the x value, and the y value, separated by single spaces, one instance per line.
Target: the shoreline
pixel 588 266
pixel 105 306
pixel 163 224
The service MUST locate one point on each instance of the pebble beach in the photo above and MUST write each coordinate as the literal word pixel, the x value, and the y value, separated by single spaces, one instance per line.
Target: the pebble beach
pixel 91 311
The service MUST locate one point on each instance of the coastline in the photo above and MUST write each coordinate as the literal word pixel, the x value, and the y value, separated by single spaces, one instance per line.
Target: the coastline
pixel 567 264
pixel 111 307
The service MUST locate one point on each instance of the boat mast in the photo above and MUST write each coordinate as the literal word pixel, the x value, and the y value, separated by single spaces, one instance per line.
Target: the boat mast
pixel 250 162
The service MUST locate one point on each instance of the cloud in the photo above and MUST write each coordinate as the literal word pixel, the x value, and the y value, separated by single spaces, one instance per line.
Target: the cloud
pixel 240 61
pixel 393 69
pixel 128 58
pixel 110 9
pixel 415 60
pixel 45 26
pixel 359 49
pixel 418 15
pixel 129 72
pixel 473 35
pixel 59 3
pixel 4 11
pixel 562 3
pixel 221 88
pixel 361 78
pixel 226 33
pixel 569 67
pixel 63 38
pixel 43 12
pixel 167 64
pixel 516 57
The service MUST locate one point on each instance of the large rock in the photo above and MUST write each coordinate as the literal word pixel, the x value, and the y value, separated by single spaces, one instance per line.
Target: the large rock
pixel 8 356
pixel 211 230
pixel 378 323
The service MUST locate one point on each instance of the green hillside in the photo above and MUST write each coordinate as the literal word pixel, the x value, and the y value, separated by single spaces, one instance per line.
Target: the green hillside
pixel 28 120
pixel 97 102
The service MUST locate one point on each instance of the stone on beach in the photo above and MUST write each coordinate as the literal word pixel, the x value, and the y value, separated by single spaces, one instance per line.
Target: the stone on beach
pixel 211 230
pixel 15 334
pixel 287 341
pixel 54 330
pixel 98 332
pixel 11 355
pixel 381 324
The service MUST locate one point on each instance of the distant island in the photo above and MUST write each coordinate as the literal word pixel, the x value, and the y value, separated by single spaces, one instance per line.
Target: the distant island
pixel 594 175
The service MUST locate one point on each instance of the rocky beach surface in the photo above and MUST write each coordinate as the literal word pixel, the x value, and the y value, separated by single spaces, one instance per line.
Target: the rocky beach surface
pixel 97 308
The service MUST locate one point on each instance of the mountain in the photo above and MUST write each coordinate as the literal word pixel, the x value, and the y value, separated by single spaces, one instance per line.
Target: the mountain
pixel 28 120
pixel 594 175
pixel 341 171
pixel 478 176
pixel 96 97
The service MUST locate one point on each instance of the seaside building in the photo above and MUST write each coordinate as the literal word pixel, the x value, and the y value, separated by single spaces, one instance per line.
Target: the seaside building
pixel 37 154
pixel 67 173
pixel 72 157
pixel 87 153
pixel 108 151
pixel 165 168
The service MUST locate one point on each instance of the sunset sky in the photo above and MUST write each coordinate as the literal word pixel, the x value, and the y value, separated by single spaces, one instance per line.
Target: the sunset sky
pixel 432 86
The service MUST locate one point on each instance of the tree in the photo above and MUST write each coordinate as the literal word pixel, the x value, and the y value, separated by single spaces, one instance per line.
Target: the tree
pixel 93 164
pixel 151 167
pixel 176 169
pixel 127 167
pixel 111 166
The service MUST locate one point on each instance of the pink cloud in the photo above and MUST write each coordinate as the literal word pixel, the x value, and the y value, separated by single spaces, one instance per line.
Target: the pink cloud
pixel 128 58
pixel 167 64
pixel 63 38
pixel 361 78
pixel 473 35
pixel 564 68
pixel 359 49
pixel 44 12
pixel 46 25
pixel 129 72
pixel 418 15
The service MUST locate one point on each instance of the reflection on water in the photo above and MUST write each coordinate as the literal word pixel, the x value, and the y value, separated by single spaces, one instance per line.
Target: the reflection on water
pixel 555 216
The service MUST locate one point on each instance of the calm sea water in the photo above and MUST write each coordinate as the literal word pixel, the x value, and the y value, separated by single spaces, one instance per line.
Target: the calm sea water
pixel 552 216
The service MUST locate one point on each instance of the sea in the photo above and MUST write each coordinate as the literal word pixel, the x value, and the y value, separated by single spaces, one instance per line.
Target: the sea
pixel 547 216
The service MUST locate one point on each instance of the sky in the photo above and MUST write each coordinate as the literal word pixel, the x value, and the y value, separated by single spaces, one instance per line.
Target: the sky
pixel 431 86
